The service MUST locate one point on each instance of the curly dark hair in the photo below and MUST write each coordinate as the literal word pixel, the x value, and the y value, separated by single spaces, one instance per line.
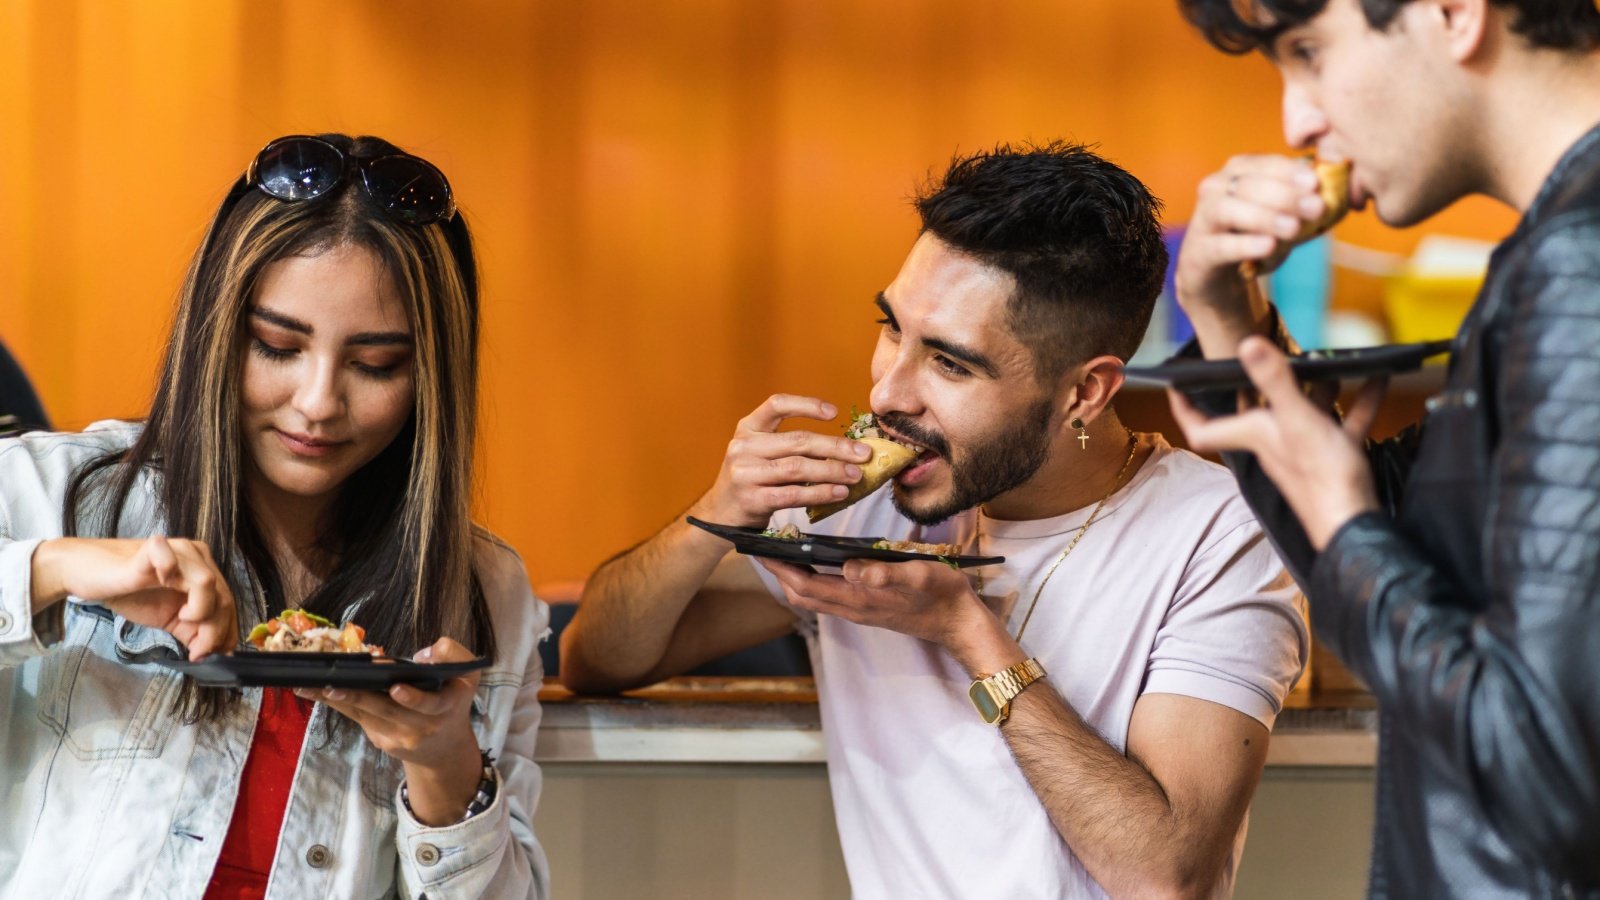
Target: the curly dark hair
pixel 1552 24
pixel 1081 237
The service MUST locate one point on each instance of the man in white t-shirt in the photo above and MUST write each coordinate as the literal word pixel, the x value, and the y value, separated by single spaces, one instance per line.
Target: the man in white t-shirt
pixel 1089 716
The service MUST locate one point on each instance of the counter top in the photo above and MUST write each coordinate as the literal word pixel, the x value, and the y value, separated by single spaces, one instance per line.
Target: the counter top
pixel 776 721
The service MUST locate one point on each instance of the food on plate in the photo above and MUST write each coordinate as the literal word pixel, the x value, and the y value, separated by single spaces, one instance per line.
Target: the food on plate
pixel 914 547
pixel 298 631
pixel 786 533
pixel 889 457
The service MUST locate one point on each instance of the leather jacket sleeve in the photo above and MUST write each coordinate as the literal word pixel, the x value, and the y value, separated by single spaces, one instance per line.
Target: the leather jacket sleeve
pixel 1507 698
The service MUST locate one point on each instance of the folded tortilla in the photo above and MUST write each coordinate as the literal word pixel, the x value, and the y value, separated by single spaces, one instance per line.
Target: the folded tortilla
pixel 888 460
pixel 1333 180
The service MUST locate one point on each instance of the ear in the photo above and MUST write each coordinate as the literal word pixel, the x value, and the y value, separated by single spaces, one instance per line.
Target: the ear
pixel 1462 24
pixel 1091 387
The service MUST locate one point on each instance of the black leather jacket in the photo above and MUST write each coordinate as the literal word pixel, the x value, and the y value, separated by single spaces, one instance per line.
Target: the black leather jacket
pixel 1472 607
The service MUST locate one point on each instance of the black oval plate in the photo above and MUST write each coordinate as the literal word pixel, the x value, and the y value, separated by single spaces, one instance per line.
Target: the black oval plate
pixel 1318 365
pixel 353 671
pixel 824 550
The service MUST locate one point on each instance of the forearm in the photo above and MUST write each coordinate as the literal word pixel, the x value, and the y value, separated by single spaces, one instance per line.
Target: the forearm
pixel 632 605
pixel 1509 706
pixel 1218 328
pixel 1108 808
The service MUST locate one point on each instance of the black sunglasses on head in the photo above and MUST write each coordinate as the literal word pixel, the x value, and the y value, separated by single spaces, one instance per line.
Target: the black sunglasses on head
pixel 302 167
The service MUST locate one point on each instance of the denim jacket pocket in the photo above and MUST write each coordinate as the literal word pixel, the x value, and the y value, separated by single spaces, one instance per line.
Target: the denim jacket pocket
pixel 100 706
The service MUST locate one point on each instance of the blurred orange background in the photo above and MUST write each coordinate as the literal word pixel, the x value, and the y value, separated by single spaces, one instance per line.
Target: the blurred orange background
pixel 680 207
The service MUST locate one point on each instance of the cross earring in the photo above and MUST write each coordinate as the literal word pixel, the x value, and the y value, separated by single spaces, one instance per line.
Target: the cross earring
pixel 1083 434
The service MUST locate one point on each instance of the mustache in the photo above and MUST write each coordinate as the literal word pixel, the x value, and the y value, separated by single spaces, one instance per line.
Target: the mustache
pixel 903 425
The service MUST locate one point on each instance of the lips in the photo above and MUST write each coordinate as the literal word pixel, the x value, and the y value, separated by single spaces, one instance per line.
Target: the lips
pixel 305 445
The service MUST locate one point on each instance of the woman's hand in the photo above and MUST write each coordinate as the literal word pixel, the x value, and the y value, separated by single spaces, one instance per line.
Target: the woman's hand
pixel 167 583
pixel 430 733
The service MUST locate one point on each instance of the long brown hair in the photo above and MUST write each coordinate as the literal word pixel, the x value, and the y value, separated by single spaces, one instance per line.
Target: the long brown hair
pixel 400 531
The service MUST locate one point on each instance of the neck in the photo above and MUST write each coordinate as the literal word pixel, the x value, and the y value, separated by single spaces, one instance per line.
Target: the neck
pixel 290 527
pixel 1075 476
pixel 1537 104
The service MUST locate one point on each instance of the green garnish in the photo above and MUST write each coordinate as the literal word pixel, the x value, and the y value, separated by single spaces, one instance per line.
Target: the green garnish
pixel 860 424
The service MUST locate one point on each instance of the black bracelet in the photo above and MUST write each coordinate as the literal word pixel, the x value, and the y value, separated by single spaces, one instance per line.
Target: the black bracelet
pixel 488 787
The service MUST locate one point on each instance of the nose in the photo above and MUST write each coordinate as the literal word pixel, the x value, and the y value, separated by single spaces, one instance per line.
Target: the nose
pixel 1304 123
pixel 320 395
pixel 894 386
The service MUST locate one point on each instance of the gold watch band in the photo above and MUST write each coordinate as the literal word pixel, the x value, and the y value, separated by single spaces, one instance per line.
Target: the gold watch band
pixel 992 696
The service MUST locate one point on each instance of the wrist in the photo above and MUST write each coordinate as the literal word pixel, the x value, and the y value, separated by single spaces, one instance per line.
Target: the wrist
pixel 1321 531
pixel 438 793
pixel 46 586
pixel 980 643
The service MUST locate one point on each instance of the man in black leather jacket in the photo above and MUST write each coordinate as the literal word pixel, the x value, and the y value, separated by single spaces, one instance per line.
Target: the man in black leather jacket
pixel 1455 569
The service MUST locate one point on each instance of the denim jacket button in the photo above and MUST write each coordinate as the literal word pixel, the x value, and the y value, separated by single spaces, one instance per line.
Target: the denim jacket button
pixel 5 623
pixel 318 856
pixel 427 854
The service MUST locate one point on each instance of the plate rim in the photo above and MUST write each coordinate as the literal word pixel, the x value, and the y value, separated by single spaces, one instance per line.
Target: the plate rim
pixel 971 562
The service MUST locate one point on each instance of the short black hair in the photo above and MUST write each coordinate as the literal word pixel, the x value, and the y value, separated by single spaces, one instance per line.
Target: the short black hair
pixel 1081 237
pixel 1572 25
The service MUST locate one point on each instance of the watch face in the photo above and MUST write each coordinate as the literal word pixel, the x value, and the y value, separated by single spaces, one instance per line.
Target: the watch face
pixel 987 706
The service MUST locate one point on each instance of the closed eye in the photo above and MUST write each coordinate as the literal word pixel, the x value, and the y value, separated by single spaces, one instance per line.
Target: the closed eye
pixel 267 351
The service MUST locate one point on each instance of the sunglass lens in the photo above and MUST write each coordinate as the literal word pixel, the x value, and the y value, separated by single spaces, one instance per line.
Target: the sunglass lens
pixel 298 168
pixel 410 189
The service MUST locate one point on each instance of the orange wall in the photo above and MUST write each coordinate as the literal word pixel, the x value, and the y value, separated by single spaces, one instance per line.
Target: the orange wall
pixel 682 206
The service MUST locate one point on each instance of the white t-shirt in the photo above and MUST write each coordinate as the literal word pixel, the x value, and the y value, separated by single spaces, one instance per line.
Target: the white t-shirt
pixel 1174 589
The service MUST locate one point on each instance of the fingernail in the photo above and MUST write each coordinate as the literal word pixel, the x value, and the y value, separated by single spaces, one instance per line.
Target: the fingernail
pixel 423 655
pixel 829 410
pixel 839 491
pixel 1311 206
pixel 1287 225
pixel 863 451
pixel 333 694
pixel 852 471
pixel 1306 178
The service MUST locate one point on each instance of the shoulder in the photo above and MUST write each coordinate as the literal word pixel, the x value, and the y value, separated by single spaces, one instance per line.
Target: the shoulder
pixel 506 588
pixel 1190 486
pixel 68 448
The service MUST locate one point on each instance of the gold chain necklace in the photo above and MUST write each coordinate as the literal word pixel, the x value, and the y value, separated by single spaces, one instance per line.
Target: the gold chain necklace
pixel 1133 447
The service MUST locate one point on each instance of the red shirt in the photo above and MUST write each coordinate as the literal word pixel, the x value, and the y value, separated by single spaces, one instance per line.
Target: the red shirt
pixel 252 841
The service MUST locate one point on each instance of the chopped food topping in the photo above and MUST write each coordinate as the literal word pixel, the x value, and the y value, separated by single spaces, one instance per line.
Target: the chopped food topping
pixel 914 547
pixel 298 631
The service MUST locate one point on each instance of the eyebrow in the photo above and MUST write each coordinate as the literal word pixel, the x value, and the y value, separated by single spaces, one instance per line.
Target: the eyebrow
pixel 949 348
pixel 363 339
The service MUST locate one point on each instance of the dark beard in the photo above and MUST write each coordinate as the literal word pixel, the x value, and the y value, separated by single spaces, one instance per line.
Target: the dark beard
pixel 988 470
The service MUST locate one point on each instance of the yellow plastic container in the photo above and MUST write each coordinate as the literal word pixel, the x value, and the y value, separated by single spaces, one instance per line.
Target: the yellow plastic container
pixel 1428 307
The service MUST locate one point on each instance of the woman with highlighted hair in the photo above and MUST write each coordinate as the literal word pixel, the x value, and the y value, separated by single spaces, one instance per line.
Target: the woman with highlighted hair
pixel 309 447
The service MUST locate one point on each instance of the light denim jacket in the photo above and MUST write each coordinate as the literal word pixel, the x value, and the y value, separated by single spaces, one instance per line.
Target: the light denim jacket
pixel 105 793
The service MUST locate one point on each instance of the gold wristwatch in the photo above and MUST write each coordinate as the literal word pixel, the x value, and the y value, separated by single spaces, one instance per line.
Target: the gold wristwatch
pixel 993 695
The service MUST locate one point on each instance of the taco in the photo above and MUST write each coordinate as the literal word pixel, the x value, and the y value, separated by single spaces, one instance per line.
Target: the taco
pixel 889 458
pixel 1333 183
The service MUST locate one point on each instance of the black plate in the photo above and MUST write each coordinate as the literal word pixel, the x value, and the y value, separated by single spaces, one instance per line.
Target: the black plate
pixel 824 550
pixel 357 672
pixel 1318 365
